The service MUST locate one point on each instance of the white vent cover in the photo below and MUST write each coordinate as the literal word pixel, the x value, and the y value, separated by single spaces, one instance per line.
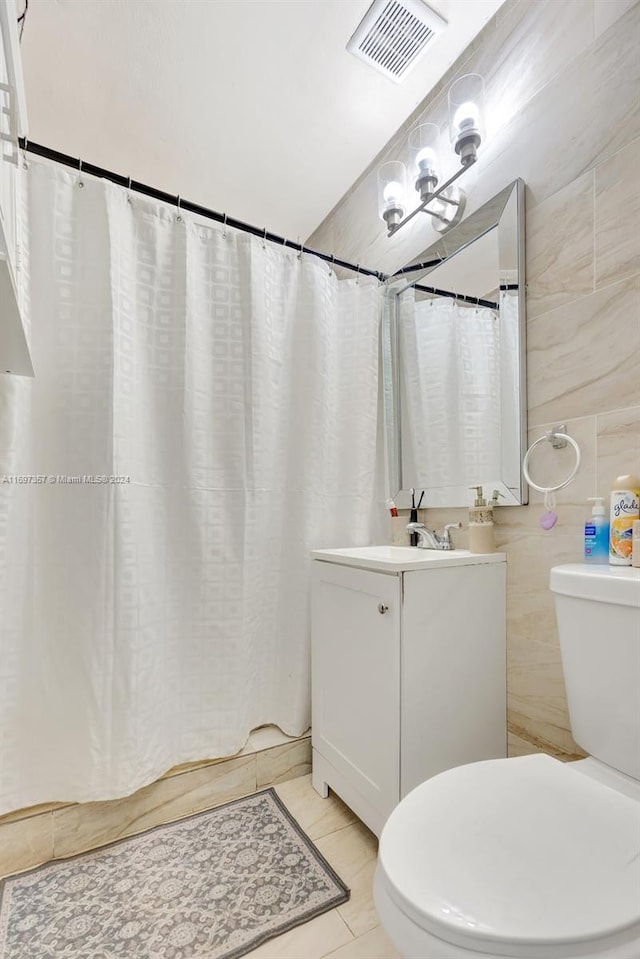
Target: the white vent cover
pixel 393 34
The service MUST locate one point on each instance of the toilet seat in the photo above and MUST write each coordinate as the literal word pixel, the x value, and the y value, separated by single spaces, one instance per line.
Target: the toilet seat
pixel 514 857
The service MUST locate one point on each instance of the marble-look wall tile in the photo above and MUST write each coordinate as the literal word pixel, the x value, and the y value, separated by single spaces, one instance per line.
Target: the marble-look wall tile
pixel 608 11
pixel 518 746
pixel 281 763
pixel 586 113
pixel 617 215
pixel 87 825
pixel 559 248
pixel 535 682
pixel 506 10
pixel 26 813
pixel 537 700
pixel 618 437
pixel 264 737
pixel 583 357
pixel 536 697
pixel 531 554
pixel 527 50
pixel 25 843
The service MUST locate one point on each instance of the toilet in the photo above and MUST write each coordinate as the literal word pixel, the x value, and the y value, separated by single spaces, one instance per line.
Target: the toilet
pixel 533 858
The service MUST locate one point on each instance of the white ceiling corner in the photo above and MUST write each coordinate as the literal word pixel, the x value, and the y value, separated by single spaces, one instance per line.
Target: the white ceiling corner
pixel 250 107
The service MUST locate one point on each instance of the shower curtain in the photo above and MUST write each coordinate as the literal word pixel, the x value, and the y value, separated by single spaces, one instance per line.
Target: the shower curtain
pixel 204 413
pixel 451 357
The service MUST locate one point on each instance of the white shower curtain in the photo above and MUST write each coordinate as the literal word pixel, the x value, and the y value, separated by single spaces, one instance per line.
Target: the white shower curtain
pixel 451 391
pixel 230 387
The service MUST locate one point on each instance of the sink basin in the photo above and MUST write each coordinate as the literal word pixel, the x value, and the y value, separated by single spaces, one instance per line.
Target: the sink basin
pixel 397 559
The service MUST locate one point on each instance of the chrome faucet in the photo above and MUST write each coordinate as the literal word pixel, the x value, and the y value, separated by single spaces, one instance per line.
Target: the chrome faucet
pixel 429 539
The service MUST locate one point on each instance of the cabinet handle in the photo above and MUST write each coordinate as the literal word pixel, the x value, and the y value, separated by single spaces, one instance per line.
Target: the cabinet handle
pixel 382 608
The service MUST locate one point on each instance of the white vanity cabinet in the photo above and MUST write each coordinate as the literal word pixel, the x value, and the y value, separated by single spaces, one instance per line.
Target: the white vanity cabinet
pixel 408 670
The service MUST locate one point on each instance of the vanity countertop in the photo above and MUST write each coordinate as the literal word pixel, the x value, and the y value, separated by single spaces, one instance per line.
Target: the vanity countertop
pixel 399 559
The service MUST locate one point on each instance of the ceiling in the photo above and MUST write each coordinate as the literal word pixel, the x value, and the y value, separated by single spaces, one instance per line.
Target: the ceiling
pixel 250 107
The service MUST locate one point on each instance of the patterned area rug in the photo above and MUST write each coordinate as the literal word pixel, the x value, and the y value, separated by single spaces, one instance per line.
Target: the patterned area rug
pixel 213 886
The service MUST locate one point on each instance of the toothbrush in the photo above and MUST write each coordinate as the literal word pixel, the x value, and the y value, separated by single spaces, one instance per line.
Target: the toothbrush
pixel 413 517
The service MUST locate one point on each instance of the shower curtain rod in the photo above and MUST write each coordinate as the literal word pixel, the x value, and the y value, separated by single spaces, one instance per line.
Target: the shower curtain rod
pixel 90 168
pixel 472 300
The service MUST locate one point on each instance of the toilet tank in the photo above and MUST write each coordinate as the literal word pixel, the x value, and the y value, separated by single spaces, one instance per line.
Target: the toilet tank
pixel 598 613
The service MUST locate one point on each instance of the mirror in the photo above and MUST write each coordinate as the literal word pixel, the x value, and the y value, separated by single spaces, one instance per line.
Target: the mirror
pixel 454 362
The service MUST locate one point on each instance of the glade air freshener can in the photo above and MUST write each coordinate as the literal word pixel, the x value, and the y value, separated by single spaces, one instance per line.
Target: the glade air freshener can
pixel 625 508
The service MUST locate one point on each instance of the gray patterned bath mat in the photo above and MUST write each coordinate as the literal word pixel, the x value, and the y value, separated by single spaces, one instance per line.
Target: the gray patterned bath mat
pixel 213 886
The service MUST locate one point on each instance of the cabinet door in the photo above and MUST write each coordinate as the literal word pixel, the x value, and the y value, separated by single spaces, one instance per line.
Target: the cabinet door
pixel 453 669
pixel 355 677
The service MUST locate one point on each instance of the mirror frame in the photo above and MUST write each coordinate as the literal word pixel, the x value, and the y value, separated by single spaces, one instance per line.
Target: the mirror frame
pixel 486 218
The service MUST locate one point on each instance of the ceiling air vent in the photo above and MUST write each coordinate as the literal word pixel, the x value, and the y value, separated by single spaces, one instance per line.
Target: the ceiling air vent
pixel 393 35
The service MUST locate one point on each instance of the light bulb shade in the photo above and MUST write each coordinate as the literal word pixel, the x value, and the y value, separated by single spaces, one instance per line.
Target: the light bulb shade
pixel 466 116
pixel 392 192
pixel 424 149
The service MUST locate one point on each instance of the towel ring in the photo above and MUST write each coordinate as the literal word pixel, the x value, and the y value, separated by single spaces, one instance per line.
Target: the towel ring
pixel 558 440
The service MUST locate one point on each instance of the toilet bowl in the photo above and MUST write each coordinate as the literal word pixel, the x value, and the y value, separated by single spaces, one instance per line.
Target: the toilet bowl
pixel 526 857
pixel 532 858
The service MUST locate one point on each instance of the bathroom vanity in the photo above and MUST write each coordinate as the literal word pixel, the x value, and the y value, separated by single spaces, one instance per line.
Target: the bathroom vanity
pixel 408 669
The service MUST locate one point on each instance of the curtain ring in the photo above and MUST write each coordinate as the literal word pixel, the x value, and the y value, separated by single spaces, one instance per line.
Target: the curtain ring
pixel 25 163
pixel 301 250
pixel 80 180
pixel 357 273
pixel 129 200
pixel 333 259
pixel 224 226
pixel 264 237
pixel 179 216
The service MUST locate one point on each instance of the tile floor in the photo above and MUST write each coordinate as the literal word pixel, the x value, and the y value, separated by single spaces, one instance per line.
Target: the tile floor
pixel 350 931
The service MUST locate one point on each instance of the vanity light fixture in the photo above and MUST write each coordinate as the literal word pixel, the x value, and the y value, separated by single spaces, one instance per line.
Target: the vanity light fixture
pixel 445 204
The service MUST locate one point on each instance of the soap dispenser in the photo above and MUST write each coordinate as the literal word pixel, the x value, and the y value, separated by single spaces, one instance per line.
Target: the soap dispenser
pixel 480 524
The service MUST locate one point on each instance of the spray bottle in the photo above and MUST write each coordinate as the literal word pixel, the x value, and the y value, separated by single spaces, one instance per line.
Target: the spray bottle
pixel 625 508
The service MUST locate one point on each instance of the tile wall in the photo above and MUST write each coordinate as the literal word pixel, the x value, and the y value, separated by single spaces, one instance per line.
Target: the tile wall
pixel 563 111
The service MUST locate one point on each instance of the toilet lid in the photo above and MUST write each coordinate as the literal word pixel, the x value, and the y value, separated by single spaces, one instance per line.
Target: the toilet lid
pixel 515 851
